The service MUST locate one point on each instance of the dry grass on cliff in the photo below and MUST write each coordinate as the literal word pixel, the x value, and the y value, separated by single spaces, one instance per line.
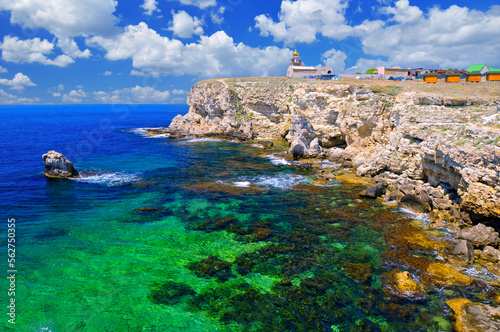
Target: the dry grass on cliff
pixel 462 89
pixel 442 89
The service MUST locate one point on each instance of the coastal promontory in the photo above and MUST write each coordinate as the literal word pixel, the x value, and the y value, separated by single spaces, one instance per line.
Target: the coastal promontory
pixel 445 135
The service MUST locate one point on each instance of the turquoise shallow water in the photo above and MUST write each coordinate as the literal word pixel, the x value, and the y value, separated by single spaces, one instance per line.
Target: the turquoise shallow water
pixel 190 235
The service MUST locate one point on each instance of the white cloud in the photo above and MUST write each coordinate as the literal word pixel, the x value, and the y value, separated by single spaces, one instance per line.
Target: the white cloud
pixel 66 18
pixel 335 59
pixel 185 26
pixel 213 56
pixel 403 12
pixel 31 51
pixel 69 47
pixel 107 73
pixel 150 6
pixel 179 92
pixel 7 98
pixel 3 70
pixel 56 91
pixel 216 16
pixel 74 96
pixel 302 20
pixel 19 82
pixel 452 37
pixel 135 95
pixel 202 4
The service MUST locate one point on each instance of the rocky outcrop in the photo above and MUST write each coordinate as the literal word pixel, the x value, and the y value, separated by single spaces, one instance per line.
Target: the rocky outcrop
pixel 413 134
pixel 474 317
pixel 58 166
pixel 480 236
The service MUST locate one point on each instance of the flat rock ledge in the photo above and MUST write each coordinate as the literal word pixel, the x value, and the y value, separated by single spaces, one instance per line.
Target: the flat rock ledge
pixel 58 166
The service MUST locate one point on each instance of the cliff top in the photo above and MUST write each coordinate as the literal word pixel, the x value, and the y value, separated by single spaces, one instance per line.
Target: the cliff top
pixel 440 89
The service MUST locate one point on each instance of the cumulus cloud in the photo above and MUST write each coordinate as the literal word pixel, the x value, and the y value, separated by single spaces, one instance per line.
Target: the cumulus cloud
pixel 335 59
pixel 403 12
pixel 74 96
pixel 19 82
pixel 7 98
pixel 452 37
pixel 184 25
pixel 150 6
pixel 202 4
pixel 213 56
pixel 67 18
pixel 135 95
pixel 70 48
pixel 107 73
pixel 31 51
pixel 3 70
pixel 302 20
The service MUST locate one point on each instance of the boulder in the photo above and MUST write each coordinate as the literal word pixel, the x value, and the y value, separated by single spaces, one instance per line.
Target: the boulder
pixel 474 317
pixel 416 203
pixel 396 195
pixel 58 166
pixel 490 254
pixel 304 165
pixel 460 253
pixel 374 191
pixel 266 144
pixel 480 236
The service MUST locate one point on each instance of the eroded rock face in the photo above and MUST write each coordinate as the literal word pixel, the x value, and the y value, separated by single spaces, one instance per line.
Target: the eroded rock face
pixel 58 166
pixel 414 134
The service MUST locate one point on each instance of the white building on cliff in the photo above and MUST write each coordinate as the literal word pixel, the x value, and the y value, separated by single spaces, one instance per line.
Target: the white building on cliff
pixel 296 69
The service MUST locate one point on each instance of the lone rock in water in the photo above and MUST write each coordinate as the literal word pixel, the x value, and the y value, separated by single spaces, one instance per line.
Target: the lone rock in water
pixel 58 166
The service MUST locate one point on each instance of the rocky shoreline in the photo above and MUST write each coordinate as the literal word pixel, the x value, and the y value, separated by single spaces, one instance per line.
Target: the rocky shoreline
pixel 427 153
pixel 446 141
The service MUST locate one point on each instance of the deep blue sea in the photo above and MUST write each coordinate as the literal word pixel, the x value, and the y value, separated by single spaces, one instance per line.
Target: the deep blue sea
pixel 187 235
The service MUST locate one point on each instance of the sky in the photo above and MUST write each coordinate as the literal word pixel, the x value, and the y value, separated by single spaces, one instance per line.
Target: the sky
pixel 153 51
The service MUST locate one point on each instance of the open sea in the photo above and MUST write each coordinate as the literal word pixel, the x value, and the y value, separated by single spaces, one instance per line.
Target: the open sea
pixel 188 235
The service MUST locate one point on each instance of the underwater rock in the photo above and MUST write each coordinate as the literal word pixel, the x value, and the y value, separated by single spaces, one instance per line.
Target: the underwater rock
pixel 304 165
pixel 480 236
pixel 360 272
pixel 374 191
pixel 400 284
pixel 460 253
pixel 266 144
pixel 262 234
pixel 149 209
pixel 474 317
pixel 170 293
pixel 320 181
pixel 58 166
pixel 445 275
pixel 212 267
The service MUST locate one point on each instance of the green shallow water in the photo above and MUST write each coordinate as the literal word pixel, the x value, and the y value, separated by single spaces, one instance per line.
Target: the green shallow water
pixel 185 247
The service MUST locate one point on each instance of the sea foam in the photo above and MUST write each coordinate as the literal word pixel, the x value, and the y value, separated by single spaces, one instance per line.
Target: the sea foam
pixel 117 179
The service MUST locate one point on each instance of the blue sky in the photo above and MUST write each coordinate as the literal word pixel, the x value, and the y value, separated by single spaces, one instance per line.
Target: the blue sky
pixel 153 51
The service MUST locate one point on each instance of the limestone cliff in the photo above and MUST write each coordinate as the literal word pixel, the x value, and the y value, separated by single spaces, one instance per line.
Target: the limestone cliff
pixel 446 140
